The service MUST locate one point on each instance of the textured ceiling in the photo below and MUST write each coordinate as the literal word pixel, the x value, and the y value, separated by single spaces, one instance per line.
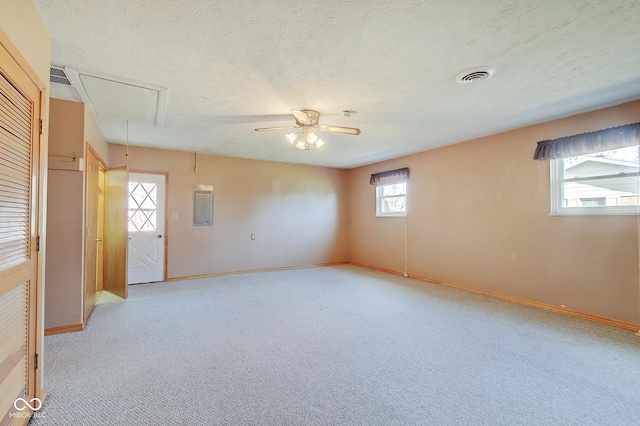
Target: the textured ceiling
pixel 231 66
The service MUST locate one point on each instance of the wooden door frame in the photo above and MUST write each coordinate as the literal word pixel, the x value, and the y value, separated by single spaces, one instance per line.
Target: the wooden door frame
pixel 115 231
pixel 166 215
pixel 101 215
pixel 88 149
pixel 36 291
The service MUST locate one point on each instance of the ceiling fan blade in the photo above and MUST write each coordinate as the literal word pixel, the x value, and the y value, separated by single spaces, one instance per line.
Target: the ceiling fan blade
pixel 301 117
pixel 339 129
pixel 264 129
pixel 241 119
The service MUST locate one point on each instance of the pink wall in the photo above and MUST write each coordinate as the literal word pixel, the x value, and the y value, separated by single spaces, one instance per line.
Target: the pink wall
pixel 21 22
pixel 93 135
pixel 298 213
pixel 472 204
pixel 65 219
pixel 71 125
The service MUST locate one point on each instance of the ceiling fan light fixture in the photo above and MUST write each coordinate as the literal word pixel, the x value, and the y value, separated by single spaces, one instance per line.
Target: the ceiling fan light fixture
pixel 307 120
pixel 312 138
pixel 291 137
pixel 306 140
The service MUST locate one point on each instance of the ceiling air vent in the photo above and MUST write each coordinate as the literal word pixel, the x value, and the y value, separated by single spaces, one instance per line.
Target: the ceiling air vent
pixel 57 75
pixel 474 75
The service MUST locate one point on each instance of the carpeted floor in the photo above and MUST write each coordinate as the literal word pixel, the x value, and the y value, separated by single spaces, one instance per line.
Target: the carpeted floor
pixel 335 346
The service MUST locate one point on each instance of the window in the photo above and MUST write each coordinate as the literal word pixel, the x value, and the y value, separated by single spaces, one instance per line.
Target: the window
pixel 391 200
pixel 142 206
pixel 391 192
pixel 604 182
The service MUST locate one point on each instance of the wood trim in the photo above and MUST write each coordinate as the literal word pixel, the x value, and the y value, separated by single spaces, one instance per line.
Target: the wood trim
pixel 518 300
pixel 95 153
pixel 166 225
pixel 89 151
pixel 115 231
pixel 148 172
pixel 251 271
pixel 63 329
pixel 43 153
pixel 375 268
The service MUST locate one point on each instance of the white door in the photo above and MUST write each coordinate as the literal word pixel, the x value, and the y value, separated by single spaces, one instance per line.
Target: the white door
pixel 146 227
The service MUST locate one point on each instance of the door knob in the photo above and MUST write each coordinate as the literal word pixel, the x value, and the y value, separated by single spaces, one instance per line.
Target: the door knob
pixel 99 240
pixel 159 236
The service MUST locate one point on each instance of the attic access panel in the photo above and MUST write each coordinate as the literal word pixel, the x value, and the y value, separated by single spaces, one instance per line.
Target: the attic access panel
pixel 111 98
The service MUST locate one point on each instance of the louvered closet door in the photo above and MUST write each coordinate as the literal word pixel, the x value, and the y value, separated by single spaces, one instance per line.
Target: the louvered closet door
pixel 19 109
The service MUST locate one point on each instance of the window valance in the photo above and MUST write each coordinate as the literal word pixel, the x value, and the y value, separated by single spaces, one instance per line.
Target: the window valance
pixel 588 143
pixel 390 177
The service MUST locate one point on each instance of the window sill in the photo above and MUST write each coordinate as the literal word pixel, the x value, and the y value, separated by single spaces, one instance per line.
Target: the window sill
pixel 600 213
pixel 391 215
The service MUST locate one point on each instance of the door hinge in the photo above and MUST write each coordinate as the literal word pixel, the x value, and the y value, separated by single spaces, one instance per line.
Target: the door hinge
pixel 35 362
pixel 38 243
pixel 41 125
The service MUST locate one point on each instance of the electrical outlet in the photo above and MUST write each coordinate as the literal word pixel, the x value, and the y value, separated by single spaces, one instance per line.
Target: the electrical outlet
pixel 174 215
pixel 253 237
pixel 514 257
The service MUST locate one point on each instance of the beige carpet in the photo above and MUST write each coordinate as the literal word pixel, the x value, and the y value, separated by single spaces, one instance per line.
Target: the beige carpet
pixel 335 346
pixel 106 297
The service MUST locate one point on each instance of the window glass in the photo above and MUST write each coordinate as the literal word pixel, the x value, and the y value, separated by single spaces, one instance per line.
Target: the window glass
pixel 142 206
pixel 391 200
pixel 600 183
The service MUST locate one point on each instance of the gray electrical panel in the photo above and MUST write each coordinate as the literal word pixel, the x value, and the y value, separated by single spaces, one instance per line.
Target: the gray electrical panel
pixel 202 205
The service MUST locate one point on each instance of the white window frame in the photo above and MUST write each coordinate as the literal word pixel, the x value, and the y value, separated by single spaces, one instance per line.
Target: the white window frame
pixel 380 198
pixel 557 196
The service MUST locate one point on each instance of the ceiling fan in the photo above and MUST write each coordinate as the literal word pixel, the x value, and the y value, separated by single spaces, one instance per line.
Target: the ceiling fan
pixel 307 120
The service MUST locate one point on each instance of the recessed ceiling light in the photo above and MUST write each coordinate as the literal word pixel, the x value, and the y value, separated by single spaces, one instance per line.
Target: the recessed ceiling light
pixel 474 75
